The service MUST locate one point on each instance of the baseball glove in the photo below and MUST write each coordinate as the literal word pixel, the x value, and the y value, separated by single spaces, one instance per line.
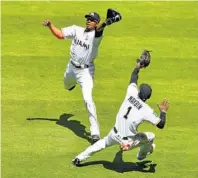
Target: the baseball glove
pixel 145 58
pixel 112 16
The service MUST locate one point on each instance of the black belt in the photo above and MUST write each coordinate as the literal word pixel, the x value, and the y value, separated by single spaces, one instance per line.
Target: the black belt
pixel 81 66
pixel 116 131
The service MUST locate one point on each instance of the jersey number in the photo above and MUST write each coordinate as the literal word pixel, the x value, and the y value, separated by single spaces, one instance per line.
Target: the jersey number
pixel 128 111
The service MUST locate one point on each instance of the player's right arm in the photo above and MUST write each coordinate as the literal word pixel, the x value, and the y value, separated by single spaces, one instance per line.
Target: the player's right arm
pixel 63 33
pixel 55 31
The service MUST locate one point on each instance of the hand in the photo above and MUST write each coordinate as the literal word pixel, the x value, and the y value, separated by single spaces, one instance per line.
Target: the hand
pixel 100 27
pixel 46 23
pixel 139 65
pixel 164 105
pixel 109 21
pixel 125 147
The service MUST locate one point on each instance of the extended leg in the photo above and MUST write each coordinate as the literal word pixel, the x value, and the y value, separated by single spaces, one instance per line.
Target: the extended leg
pixel 98 146
pixel 107 141
pixel 86 82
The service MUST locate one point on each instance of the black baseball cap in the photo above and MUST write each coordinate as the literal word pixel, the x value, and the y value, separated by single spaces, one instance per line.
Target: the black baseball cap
pixel 93 16
pixel 145 91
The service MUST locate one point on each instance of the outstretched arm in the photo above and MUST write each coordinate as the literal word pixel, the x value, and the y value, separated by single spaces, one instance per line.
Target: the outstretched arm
pixel 111 17
pixel 143 61
pixel 99 29
pixel 101 26
pixel 55 31
pixel 134 75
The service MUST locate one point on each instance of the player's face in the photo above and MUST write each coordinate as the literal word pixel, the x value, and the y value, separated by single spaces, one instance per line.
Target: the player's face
pixel 91 24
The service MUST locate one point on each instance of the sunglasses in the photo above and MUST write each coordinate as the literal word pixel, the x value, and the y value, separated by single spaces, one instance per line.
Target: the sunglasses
pixel 91 19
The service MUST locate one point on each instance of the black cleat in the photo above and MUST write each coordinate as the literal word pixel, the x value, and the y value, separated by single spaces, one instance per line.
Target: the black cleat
pixel 95 138
pixel 70 89
pixel 76 162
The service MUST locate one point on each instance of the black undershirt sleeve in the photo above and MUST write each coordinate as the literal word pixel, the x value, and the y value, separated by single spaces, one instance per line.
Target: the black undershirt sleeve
pixel 98 33
pixel 134 75
pixel 162 123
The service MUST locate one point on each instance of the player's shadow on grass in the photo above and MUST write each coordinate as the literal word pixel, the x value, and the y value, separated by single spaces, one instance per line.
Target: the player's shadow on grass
pixel 74 125
pixel 120 166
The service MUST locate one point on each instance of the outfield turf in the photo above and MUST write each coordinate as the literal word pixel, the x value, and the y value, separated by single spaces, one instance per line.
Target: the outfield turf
pixel 33 62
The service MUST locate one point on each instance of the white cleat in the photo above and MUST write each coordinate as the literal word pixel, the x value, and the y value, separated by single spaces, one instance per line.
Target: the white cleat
pixel 152 149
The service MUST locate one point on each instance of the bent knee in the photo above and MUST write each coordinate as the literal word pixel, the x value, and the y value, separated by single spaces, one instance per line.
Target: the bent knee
pixel 69 85
pixel 150 136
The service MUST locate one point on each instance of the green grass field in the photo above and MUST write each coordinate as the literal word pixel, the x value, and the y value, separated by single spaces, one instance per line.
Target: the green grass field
pixel 32 67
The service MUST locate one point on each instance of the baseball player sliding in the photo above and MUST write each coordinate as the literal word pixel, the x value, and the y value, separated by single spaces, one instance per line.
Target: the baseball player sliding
pixel 131 114
pixel 83 51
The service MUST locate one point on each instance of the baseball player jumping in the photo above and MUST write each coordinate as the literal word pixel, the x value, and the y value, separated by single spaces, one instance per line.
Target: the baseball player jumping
pixel 83 51
pixel 131 114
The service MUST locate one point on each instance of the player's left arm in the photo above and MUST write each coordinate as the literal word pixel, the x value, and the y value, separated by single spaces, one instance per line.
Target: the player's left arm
pixel 142 62
pixel 162 122
pixel 135 72
pixel 132 88
pixel 154 119
pixel 99 29
pixel 111 17
pixel 55 31
pixel 163 107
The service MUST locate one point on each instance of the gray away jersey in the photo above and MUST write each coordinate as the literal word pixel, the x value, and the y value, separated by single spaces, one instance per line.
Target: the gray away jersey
pixel 132 112
pixel 84 47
